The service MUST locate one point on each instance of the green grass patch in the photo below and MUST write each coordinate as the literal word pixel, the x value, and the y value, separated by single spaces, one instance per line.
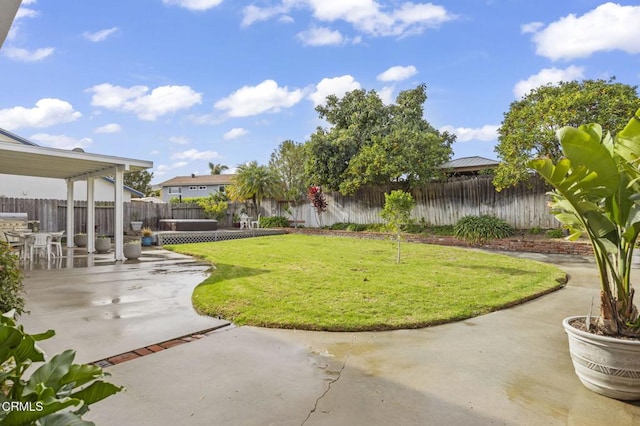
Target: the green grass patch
pixel 345 284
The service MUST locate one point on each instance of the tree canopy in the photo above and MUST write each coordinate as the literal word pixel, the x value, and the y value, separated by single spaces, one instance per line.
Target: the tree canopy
pixel 140 181
pixel 217 168
pixel 287 161
pixel 253 182
pixel 529 127
pixel 370 143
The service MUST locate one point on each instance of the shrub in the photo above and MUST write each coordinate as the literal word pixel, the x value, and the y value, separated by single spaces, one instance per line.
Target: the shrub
pixel 481 229
pixel 57 393
pixel 555 233
pixel 536 230
pixel 274 222
pixel 11 287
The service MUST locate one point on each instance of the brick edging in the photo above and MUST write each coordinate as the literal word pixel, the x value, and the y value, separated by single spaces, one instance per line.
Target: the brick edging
pixel 156 347
pixel 550 246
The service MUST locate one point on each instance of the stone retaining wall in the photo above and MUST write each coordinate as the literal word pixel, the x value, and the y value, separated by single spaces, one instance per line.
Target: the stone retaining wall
pixel 531 245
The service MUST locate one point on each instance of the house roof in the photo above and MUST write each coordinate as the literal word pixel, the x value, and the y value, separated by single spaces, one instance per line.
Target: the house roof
pixel 223 179
pixel 470 163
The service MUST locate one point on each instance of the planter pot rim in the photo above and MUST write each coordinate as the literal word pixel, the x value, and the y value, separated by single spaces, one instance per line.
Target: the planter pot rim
pixel 595 337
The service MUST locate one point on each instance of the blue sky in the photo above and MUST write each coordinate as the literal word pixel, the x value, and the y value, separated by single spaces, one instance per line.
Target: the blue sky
pixel 187 82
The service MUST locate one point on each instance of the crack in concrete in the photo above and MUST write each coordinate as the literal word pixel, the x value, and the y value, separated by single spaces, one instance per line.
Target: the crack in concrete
pixel 344 364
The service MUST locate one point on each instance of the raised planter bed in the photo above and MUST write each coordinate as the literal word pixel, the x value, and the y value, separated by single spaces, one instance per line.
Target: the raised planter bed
pixel 188 225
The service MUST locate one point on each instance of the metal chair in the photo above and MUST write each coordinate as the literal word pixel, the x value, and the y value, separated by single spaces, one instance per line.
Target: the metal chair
pixel 39 242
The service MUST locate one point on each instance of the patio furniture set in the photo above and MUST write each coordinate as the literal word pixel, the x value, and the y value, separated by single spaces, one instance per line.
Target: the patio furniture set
pixel 32 245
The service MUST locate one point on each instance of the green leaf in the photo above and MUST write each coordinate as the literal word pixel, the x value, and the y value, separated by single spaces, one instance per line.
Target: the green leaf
pixel 10 338
pixel 51 373
pixel 27 417
pixel 97 391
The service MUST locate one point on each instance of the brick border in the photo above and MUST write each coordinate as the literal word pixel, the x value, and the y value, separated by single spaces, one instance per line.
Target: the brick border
pixel 157 347
pixel 546 246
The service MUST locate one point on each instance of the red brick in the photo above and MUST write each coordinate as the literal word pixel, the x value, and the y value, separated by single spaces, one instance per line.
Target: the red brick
pixel 155 348
pixel 172 343
pixel 143 351
pixel 122 358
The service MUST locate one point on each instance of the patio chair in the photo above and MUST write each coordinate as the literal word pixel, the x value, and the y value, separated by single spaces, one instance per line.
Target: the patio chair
pixel 256 223
pixel 244 221
pixel 14 242
pixel 56 242
pixel 39 242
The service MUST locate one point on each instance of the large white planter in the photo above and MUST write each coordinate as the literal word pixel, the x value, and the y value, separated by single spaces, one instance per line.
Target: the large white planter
pixel 606 365
pixel 132 250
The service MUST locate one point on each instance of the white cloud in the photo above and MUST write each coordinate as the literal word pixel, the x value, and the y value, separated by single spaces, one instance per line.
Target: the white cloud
pixel 162 169
pixel 333 86
pixel 531 27
pixel 320 36
pixel 137 99
pixel 179 140
pixel 61 141
pixel 488 132
pixel 386 95
pixel 547 76
pixel 398 73
pixel 366 16
pixel 109 128
pixel 194 4
pixel 253 100
pixel 47 112
pixel 24 55
pixel 608 27
pixel 194 154
pixel 235 133
pixel 100 35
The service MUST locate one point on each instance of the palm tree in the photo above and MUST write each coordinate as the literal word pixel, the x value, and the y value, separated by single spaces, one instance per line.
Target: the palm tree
pixel 217 169
pixel 254 182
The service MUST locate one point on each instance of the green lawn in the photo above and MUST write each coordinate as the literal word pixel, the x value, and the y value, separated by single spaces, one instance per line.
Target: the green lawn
pixel 340 284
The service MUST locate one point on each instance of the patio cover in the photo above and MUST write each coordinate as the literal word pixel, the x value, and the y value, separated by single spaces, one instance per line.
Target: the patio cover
pixel 31 160
pixel 8 10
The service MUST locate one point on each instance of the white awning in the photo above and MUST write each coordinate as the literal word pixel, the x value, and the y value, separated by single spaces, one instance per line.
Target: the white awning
pixel 27 160
pixel 8 10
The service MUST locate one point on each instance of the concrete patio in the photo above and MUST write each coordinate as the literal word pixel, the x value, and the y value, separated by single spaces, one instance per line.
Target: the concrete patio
pixel 510 367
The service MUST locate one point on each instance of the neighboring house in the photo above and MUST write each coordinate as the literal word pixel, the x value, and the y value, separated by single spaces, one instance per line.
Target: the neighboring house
pixel 469 166
pixel 14 186
pixel 194 186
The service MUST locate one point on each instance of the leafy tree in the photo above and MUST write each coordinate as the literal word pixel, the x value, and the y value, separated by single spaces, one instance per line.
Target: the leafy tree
pixel 140 181
pixel 397 212
pixel 529 127
pixel 214 206
pixel 253 182
pixel 287 161
pixel 370 143
pixel 217 169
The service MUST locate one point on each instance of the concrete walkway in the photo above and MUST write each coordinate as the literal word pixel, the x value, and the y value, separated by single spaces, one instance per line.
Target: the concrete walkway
pixel 507 368
pixel 102 308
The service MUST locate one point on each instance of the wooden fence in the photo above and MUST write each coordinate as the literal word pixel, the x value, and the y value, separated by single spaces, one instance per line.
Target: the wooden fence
pixel 441 203
pixel 52 214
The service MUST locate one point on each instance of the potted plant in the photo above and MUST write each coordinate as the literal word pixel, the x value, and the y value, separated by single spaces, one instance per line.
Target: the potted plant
pixel 103 244
pixel 147 234
pixel 136 225
pixel 597 193
pixel 132 249
pixel 80 239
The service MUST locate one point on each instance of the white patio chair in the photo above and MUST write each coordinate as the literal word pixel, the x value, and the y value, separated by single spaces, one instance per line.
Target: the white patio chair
pixel 256 223
pixel 244 221
pixel 56 242
pixel 14 241
pixel 39 242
